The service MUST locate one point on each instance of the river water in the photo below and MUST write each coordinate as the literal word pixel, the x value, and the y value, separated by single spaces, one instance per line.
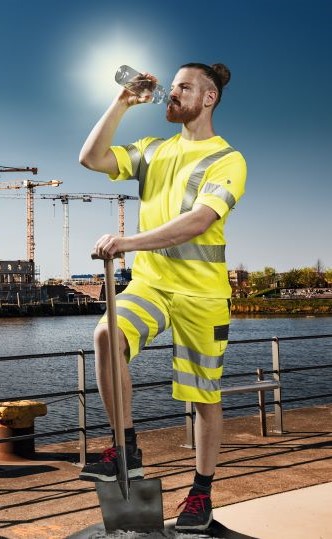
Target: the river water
pixel 36 335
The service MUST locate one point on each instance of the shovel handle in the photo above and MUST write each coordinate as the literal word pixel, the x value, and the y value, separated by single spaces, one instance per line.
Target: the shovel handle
pixel 116 385
pixel 115 364
pixel 113 339
pixel 95 256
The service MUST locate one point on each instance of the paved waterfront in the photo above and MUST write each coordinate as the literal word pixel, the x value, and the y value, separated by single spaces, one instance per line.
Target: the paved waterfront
pixel 255 487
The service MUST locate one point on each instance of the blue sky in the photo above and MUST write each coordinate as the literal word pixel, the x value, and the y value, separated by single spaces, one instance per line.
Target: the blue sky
pixel 58 60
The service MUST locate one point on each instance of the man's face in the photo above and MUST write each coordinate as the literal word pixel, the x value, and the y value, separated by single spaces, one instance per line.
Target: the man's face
pixel 186 96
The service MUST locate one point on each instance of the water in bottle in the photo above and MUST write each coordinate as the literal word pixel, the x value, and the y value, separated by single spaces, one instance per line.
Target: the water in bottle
pixel 140 85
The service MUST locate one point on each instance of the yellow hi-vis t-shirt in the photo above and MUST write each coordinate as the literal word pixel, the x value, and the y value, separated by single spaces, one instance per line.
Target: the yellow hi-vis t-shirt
pixel 174 175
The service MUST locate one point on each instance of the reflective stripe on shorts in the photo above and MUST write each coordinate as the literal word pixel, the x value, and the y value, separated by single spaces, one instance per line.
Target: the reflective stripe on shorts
pixel 203 360
pixel 197 382
pixel 139 325
pixel 155 312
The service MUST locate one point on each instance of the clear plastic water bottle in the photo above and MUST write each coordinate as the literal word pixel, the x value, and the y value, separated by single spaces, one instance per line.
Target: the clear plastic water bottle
pixel 141 86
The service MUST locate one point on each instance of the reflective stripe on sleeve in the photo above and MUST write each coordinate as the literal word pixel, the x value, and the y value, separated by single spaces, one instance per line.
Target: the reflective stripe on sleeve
pixel 211 362
pixel 153 311
pixel 140 163
pixel 139 325
pixel 192 380
pixel 196 178
pixel 135 158
pixel 220 192
pixel 192 251
pixel 145 161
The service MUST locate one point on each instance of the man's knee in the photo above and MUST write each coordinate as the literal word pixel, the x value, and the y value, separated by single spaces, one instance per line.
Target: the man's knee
pixel 101 339
pixel 206 409
pixel 100 335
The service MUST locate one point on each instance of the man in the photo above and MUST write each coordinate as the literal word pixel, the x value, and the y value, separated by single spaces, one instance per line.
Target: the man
pixel 188 185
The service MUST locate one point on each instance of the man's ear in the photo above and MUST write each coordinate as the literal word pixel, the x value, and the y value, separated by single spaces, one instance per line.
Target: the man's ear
pixel 210 98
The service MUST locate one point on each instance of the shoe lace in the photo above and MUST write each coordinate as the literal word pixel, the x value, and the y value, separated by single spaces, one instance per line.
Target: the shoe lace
pixel 194 503
pixel 108 454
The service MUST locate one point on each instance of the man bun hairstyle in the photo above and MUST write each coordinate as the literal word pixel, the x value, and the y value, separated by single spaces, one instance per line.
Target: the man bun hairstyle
pixel 218 73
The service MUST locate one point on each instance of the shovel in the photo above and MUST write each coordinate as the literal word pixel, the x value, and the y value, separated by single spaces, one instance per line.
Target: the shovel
pixel 127 505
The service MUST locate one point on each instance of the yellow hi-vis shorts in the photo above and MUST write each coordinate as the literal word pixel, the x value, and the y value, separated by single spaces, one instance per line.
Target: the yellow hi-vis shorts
pixel 200 335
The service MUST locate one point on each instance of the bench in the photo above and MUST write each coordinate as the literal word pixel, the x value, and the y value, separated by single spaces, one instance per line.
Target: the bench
pixel 17 419
pixel 259 387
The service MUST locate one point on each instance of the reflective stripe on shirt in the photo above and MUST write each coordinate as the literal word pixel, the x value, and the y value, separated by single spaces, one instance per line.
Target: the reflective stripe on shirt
pixel 140 163
pixel 220 192
pixel 135 159
pixel 145 161
pixel 196 176
pixel 192 251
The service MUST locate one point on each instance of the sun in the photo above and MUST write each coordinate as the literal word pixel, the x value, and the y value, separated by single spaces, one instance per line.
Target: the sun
pixel 93 69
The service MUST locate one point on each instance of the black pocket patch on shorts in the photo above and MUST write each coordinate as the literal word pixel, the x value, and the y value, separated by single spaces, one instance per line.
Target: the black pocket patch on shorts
pixel 221 332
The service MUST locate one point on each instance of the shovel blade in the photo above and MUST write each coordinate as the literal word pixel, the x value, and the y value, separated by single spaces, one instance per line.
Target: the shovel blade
pixel 142 512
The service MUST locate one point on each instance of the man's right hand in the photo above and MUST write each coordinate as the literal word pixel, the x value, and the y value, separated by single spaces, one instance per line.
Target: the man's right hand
pixel 96 153
pixel 130 98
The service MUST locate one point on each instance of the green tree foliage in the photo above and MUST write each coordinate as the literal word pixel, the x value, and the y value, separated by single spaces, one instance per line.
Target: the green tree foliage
pixel 308 277
pixel 328 275
pixel 303 278
pixel 292 279
pixel 260 280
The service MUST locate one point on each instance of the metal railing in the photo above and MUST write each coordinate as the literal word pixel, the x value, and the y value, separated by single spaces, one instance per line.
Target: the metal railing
pixel 82 391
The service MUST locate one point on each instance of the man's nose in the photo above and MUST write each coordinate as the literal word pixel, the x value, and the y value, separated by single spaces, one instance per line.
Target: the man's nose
pixel 173 93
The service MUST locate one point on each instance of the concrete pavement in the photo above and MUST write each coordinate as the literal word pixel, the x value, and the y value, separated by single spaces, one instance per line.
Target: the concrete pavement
pixel 278 487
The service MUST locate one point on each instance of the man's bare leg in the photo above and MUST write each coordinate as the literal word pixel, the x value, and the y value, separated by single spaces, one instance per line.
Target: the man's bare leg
pixel 208 427
pixel 106 468
pixel 103 374
pixel 197 513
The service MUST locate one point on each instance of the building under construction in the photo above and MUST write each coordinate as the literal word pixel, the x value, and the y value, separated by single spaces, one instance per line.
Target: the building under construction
pixel 18 282
pixel 21 292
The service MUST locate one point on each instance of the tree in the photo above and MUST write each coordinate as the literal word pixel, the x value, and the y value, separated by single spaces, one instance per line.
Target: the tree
pixel 309 277
pixel 260 280
pixel 242 289
pixel 241 267
pixel 328 276
pixel 292 279
pixel 319 267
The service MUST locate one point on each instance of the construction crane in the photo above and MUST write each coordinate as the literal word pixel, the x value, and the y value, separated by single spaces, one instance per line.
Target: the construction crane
pixel 34 170
pixel 30 191
pixel 86 197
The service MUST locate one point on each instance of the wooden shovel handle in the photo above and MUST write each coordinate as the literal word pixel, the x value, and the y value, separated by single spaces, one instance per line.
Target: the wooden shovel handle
pixel 116 385
pixel 95 256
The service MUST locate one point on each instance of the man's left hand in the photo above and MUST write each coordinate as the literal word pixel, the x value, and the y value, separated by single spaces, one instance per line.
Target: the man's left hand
pixel 109 246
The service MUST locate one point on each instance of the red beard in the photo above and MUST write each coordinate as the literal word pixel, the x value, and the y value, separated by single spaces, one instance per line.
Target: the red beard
pixel 176 113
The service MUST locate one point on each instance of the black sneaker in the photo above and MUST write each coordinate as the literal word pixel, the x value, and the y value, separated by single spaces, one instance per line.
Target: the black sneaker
pixel 197 514
pixel 106 469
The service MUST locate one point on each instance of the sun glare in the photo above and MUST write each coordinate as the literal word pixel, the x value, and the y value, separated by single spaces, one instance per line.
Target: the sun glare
pixel 94 69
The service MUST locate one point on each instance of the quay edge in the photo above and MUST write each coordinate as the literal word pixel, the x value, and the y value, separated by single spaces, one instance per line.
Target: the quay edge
pixel 277 306
pixel 240 306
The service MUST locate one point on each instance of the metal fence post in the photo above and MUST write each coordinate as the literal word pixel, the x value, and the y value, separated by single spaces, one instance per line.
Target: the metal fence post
pixel 277 392
pixel 81 405
pixel 190 431
pixel 261 402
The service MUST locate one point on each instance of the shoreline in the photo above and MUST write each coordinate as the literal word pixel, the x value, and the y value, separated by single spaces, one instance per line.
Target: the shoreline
pixel 52 309
pixel 282 306
pixel 240 306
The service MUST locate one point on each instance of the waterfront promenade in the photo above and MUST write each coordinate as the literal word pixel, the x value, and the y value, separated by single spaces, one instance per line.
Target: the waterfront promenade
pixel 278 487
